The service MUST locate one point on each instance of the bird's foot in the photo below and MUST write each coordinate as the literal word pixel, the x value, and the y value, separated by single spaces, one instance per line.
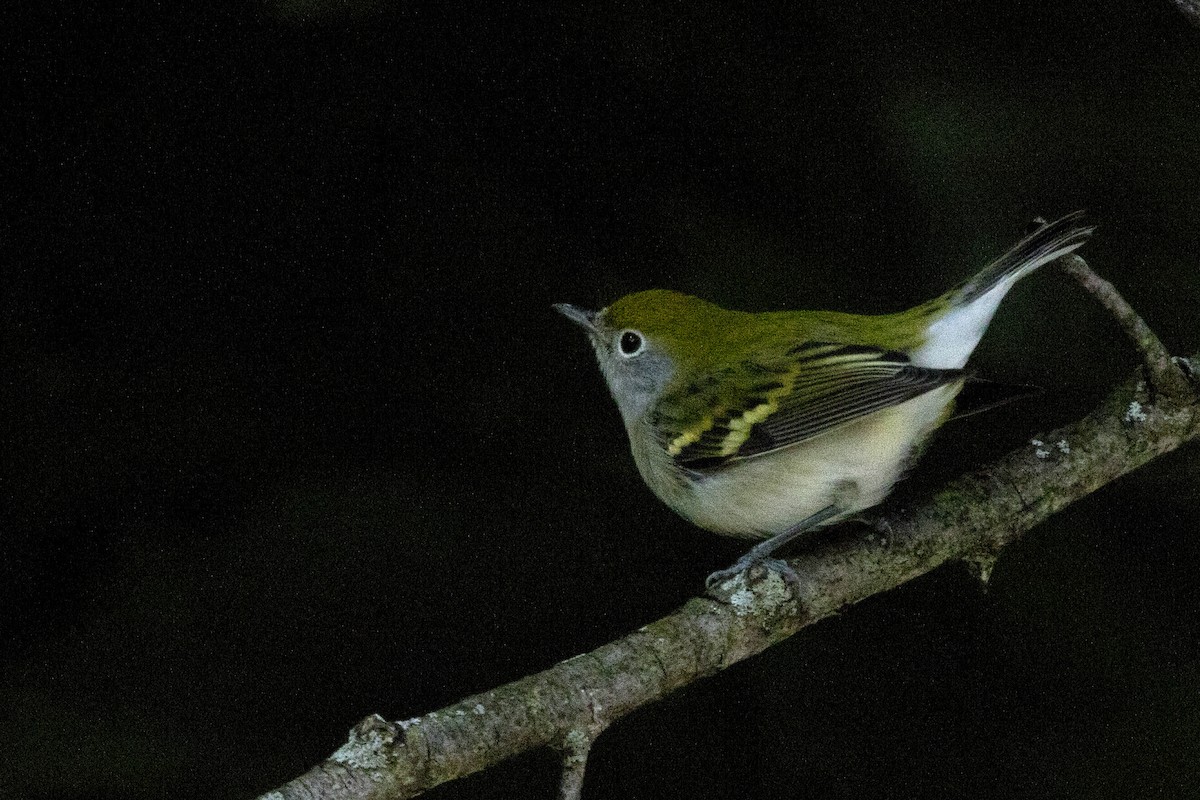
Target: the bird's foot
pixel 716 582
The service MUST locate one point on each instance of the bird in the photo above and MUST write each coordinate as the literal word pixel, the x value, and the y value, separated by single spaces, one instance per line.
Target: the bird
pixel 769 425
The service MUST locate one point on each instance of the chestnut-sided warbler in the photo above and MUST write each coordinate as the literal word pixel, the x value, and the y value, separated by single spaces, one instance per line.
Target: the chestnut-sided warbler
pixel 767 425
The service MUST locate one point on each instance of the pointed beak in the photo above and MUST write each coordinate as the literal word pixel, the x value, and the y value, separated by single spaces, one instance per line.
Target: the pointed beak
pixel 580 316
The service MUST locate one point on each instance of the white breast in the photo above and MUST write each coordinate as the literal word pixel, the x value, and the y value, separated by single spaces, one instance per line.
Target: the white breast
pixel 853 467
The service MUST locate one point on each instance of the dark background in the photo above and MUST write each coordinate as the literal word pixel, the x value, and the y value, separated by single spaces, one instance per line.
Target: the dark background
pixel 295 436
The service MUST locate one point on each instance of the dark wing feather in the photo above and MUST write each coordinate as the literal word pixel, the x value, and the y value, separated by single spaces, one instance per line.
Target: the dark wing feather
pixel 864 392
pixel 758 408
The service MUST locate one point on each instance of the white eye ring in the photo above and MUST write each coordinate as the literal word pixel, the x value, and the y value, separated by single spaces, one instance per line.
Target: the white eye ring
pixel 630 343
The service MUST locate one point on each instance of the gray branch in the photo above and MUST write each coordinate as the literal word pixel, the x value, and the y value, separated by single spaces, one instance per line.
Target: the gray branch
pixel 970 519
pixel 1190 9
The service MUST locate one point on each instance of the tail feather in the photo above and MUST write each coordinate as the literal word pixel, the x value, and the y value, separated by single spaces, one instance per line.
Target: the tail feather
pixel 1045 244
pixel 963 314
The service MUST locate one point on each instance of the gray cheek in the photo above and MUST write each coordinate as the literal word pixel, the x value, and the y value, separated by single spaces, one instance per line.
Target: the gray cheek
pixel 641 382
pixel 654 372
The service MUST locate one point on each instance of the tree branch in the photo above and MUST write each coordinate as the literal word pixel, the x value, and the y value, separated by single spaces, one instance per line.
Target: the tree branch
pixel 1164 374
pixel 1190 9
pixel 970 519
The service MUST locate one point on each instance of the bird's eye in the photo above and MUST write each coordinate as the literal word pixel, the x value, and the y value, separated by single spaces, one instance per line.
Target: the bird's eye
pixel 631 343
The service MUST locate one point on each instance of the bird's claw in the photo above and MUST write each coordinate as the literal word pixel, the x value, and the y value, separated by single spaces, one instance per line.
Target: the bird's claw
pixel 783 569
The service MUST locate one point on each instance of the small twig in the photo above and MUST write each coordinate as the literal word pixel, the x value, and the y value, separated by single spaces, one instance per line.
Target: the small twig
pixel 1163 372
pixel 575 748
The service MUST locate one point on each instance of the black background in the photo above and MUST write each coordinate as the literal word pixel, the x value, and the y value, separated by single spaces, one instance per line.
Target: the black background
pixel 295 436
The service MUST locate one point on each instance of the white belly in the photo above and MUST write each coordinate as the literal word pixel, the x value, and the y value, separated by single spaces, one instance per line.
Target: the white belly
pixel 852 467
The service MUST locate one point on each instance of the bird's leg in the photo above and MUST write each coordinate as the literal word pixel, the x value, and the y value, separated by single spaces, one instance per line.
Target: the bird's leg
pixel 761 553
